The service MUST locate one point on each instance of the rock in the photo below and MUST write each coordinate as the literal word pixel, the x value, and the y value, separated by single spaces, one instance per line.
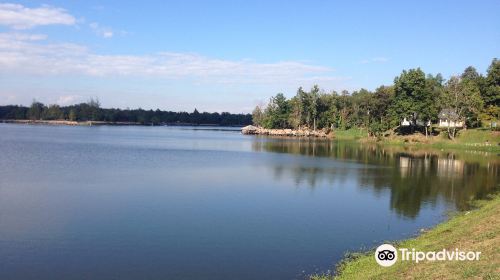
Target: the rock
pixel 254 130
pixel 249 129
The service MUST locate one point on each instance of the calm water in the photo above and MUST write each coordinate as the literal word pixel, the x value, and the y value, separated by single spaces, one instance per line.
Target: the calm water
pixel 183 203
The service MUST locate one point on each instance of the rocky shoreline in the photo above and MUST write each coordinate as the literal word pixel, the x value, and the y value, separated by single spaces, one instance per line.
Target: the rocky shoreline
pixel 254 130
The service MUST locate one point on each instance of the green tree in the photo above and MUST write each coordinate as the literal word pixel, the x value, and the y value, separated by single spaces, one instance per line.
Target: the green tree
pixel 463 98
pixel 428 107
pixel 379 110
pixel 295 116
pixel 195 117
pixel 277 112
pixel 53 112
pixel 491 95
pixel 312 109
pixel 304 108
pixel 470 73
pixel 413 99
pixel 344 108
pixel 473 79
pixel 72 115
pixel 361 106
pixel 258 116
pixel 35 111
pixel 94 112
pixel 327 111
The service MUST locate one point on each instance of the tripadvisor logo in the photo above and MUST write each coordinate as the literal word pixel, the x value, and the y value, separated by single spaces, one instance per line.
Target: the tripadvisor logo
pixel 387 255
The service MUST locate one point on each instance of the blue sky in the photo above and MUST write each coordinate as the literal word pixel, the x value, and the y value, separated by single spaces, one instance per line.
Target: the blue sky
pixel 230 55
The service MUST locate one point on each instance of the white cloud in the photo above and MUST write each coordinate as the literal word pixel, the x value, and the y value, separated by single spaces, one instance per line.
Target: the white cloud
pixel 104 32
pixel 22 36
pixel 107 34
pixel 379 59
pixel 68 99
pixel 19 17
pixel 319 79
pixel 18 54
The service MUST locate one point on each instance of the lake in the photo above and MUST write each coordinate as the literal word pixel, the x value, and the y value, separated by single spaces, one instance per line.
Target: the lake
pixel 131 202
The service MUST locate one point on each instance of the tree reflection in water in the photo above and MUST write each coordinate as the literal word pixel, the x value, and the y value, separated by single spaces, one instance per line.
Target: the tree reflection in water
pixel 413 176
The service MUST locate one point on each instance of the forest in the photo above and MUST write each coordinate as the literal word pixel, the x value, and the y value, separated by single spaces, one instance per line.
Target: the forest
pixel 92 111
pixel 419 98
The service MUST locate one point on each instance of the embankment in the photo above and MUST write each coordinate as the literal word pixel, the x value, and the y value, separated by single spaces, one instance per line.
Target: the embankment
pixel 254 130
pixel 477 230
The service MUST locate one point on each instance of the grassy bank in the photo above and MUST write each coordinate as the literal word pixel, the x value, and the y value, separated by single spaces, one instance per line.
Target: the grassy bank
pixel 476 230
pixel 351 134
pixel 470 139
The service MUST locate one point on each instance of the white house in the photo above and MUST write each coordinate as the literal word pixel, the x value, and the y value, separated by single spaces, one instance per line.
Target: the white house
pixel 405 122
pixel 446 123
pixel 449 118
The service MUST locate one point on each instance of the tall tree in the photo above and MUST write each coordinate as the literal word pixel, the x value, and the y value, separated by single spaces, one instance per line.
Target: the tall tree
pixel 407 87
pixel 72 115
pixel 361 106
pixel 470 73
pixel 475 82
pixel 344 106
pixel 463 98
pixel 327 111
pixel 36 110
pixel 491 95
pixel 94 106
pixel 412 98
pixel 258 116
pixel 428 107
pixel 53 112
pixel 296 109
pixel 277 112
pixel 312 110
pixel 379 110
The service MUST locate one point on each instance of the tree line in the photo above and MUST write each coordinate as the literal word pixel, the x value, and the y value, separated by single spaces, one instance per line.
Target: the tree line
pixel 92 111
pixel 414 96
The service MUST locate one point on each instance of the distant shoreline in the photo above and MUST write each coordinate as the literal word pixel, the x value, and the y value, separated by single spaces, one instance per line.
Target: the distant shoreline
pixel 70 123
pixel 93 123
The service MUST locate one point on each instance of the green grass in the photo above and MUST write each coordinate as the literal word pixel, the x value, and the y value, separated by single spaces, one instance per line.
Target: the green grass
pixel 351 134
pixel 477 230
pixel 471 139
pixel 478 135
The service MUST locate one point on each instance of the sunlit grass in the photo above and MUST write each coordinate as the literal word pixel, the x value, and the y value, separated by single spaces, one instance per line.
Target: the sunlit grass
pixel 476 230
pixel 350 134
pixel 470 139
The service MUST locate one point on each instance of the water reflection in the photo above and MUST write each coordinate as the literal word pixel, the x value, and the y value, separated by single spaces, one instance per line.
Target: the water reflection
pixel 413 177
